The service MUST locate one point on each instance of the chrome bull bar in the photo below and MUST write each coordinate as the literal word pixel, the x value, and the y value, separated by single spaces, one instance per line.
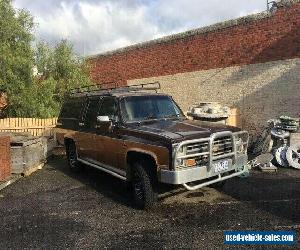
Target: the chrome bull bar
pixel 210 141
pixel 180 154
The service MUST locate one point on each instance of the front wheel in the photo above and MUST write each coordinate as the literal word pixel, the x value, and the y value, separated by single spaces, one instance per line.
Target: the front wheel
pixel 144 185
pixel 72 157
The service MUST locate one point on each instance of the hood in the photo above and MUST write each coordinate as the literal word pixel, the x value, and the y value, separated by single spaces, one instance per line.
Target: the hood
pixel 178 130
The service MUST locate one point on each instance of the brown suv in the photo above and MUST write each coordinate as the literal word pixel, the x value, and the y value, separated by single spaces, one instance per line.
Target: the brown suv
pixel 142 137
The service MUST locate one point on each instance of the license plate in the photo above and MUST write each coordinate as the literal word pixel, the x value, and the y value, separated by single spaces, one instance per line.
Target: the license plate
pixel 221 166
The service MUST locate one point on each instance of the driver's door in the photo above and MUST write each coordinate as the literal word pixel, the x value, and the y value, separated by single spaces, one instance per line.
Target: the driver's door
pixel 106 140
pixel 86 136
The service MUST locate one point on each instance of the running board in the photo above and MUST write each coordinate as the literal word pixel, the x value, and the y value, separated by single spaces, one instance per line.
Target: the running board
pixel 103 169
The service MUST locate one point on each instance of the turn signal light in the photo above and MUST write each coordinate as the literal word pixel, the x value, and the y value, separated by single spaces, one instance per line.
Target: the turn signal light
pixel 190 162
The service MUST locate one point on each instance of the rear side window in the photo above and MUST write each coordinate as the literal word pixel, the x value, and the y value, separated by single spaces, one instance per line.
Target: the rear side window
pixel 72 109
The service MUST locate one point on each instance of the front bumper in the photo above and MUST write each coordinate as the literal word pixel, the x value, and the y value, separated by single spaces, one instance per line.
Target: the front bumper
pixel 201 173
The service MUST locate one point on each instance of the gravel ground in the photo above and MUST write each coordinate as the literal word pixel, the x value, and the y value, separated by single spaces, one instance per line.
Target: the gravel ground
pixel 55 209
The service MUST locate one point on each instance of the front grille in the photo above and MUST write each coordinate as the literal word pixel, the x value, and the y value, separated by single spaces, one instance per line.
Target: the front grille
pixel 200 147
pixel 223 145
pixel 195 148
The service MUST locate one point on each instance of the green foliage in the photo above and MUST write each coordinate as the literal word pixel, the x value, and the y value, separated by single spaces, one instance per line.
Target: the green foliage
pixel 59 69
pixel 16 54
pixel 63 66
pixel 39 100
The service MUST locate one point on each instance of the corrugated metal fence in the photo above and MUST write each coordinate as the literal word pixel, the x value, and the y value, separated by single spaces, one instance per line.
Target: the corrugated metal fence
pixel 34 126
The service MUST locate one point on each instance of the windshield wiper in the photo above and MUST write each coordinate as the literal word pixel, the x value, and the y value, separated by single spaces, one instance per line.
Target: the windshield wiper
pixel 150 117
pixel 171 116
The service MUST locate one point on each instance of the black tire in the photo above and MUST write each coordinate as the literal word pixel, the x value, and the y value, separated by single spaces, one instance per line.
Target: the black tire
pixel 144 185
pixel 73 162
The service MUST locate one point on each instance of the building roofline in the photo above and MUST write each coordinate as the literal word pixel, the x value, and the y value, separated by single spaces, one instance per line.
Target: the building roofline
pixel 203 30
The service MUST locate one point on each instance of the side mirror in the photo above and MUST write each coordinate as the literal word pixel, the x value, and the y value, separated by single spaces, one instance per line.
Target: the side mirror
pixel 104 123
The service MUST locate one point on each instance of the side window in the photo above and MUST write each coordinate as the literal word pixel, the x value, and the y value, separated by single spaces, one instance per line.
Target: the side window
pixel 92 112
pixel 71 113
pixel 77 108
pixel 109 107
pixel 72 109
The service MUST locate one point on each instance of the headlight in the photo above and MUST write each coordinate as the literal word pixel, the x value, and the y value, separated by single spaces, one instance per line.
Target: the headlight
pixel 241 142
pixel 177 152
pixel 177 162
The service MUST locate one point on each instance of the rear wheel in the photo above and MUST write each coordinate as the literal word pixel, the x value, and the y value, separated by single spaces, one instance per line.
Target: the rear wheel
pixel 72 157
pixel 144 183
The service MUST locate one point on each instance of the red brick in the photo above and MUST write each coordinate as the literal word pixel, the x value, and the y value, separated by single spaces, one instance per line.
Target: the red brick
pixel 273 38
pixel 5 157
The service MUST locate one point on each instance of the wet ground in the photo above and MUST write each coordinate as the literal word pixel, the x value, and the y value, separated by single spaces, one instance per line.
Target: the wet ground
pixel 55 209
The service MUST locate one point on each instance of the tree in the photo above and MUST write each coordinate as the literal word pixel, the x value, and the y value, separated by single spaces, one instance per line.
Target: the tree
pixel 61 64
pixel 16 53
pixel 59 69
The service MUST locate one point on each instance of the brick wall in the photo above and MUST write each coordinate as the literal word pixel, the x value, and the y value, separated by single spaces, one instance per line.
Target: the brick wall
pixel 253 39
pixel 5 157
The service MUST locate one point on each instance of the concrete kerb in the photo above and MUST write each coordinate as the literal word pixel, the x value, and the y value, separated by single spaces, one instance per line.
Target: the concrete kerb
pixel 11 180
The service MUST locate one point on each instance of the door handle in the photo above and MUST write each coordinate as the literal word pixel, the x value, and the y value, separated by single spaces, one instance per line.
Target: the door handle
pixel 81 124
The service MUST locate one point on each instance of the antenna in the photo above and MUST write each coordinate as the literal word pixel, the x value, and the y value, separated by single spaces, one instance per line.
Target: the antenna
pixel 84 48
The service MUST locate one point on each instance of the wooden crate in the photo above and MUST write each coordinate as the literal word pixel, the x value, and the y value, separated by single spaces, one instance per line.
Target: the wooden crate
pixel 27 154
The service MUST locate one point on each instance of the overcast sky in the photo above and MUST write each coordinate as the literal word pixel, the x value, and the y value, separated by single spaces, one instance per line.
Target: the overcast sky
pixel 96 26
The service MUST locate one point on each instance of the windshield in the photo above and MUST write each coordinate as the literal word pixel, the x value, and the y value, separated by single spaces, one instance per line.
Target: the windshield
pixel 142 108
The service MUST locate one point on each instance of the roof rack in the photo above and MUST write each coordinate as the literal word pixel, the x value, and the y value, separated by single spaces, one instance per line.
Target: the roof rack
pixel 152 86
